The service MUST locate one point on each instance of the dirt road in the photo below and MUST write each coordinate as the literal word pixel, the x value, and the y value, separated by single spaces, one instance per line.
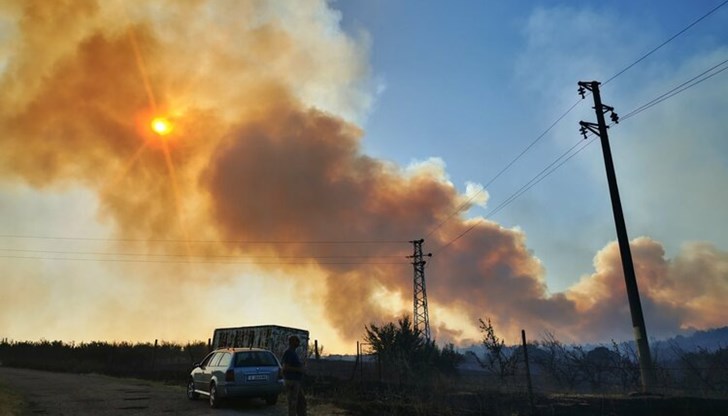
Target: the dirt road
pixel 91 394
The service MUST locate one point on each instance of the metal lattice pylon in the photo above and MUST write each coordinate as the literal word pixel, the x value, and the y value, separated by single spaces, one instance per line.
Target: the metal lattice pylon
pixel 420 313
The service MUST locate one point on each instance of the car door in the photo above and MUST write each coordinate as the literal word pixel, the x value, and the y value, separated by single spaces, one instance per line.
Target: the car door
pixel 203 373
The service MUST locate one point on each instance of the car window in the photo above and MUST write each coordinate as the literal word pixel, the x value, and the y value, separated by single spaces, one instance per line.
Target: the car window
pixel 206 361
pixel 215 359
pixel 225 360
pixel 254 359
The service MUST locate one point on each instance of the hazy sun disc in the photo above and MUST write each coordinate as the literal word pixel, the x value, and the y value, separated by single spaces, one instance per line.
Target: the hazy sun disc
pixel 161 126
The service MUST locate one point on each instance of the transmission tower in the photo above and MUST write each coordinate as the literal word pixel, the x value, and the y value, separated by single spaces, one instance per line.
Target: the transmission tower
pixel 421 316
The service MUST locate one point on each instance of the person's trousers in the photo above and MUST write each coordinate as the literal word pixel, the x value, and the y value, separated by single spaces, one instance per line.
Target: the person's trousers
pixel 295 397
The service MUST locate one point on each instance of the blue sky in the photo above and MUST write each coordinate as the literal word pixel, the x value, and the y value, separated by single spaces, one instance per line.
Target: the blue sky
pixel 475 82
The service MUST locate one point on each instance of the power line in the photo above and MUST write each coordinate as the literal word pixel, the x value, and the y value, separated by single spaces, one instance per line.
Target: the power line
pixel 192 256
pixel 643 57
pixel 678 89
pixel 535 180
pixel 553 166
pixel 103 260
pixel 503 170
pixel 177 258
pixel 466 204
pixel 176 241
pixel 548 170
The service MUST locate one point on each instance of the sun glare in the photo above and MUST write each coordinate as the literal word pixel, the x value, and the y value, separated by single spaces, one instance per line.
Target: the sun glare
pixel 161 126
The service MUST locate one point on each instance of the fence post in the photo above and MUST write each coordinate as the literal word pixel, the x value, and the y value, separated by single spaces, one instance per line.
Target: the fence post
pixel 379 367
pixel 359 361
pixel 353 374
pixel 154 358
pixel 528 369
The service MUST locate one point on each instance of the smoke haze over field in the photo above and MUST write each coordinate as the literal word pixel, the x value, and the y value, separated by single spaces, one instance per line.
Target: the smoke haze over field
pixel 264 168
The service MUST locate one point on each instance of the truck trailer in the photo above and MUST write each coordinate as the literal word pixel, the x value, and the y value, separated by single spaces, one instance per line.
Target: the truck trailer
pixel 270 337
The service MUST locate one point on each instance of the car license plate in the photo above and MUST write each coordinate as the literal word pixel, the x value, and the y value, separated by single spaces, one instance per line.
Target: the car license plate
pixel 257 377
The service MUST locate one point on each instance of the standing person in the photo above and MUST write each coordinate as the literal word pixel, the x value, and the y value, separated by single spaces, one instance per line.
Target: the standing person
pixel 292 377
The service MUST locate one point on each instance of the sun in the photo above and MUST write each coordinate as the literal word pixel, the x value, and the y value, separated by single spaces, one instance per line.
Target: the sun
pixel 161 126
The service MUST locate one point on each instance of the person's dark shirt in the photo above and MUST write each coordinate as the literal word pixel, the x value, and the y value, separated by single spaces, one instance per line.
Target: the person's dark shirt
pixel 290 359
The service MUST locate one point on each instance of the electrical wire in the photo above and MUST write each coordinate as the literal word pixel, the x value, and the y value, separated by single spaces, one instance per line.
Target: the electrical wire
pixel 678 89
pixel 177 258
pixel 545 172
pixel 188 256
pixel 176 241
pixel 535 180
pixel 197 261
pixel 503 170
pixel 548 170
pixel 467 203
pixel 127 257
pixel 551 168
pixel 685 29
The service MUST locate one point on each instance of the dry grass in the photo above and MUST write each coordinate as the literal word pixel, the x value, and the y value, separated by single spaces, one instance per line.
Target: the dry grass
pixel 11 403
pixel 326 409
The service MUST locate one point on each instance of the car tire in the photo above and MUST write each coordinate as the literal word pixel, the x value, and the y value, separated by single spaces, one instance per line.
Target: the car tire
pixel 214 400
pixel 191 393
pixel 271 400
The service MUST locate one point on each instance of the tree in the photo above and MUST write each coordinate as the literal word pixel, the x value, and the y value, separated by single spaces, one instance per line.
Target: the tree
pixel 396 346
pixel 401 348
pixel 448 359
pixel 625 365
pixel 704 369
pixel 498 359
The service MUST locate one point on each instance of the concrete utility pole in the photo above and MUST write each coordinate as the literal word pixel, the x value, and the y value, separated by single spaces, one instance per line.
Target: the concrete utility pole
pixel 633 294
pixel 420 313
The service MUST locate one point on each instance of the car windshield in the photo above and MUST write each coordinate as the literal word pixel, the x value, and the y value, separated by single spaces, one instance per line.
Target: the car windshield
pixel 254 358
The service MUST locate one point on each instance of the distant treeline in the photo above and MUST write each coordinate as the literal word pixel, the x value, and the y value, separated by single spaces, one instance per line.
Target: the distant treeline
pixel 555 367
pixel 159 361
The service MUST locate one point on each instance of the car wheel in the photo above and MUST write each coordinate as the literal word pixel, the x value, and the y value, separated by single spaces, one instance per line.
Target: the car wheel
pixel 271 400
pixel 191 393
pixel 214 400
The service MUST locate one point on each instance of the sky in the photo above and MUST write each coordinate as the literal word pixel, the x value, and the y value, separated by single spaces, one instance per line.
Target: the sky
pixel 308 142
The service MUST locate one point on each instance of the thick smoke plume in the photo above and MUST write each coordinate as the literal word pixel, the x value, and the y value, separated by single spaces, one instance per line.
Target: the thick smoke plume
pixel 264 158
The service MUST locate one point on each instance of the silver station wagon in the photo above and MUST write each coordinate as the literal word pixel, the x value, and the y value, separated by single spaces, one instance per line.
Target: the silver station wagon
pixel 236 373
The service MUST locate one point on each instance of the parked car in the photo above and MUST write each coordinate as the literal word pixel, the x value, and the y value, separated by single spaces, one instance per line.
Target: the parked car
pixel 236 372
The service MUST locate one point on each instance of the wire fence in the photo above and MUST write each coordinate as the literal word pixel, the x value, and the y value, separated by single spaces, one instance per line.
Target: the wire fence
pixel 699 373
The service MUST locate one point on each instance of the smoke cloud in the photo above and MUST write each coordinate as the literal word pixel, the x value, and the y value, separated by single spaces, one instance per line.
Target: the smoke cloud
pixel 681 293
pixel 265 161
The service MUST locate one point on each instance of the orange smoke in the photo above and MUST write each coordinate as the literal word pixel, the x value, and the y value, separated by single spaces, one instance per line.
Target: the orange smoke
pixel 678 294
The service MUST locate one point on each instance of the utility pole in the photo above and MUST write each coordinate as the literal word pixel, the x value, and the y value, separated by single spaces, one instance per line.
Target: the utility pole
pixel 633 294
pixel 420 313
